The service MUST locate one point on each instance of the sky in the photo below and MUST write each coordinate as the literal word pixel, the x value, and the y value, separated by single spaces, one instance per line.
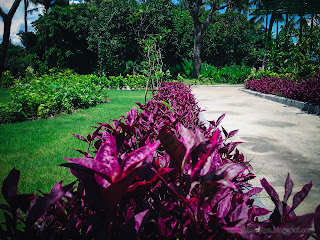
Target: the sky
pixel 17 21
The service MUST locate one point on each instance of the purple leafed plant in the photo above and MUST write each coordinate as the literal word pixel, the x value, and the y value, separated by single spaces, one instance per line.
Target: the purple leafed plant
pixel 306 91
pixel 156 173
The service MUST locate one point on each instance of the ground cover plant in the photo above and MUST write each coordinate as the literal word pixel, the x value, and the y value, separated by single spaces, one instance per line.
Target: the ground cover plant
pixel 302 90
pixel 38 146
pixel 156 173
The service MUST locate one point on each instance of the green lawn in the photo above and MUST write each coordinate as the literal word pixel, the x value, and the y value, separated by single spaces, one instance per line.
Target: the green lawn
pixel 37 147
pixel 4 95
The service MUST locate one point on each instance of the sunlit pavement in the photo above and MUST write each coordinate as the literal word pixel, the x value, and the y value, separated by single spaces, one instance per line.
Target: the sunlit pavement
pixel 277 139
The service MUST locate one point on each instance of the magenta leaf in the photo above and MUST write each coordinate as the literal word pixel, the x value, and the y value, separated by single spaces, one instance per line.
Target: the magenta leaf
pixel 288 188
pixel 138 156
pixel 42 204
pixel 107 155
pixel 241 212
pixel 225 132
pixel 273 194
pixel 94 165
pixel 81 138
pixel 203 159
pixel 139 218
pixel 261 211
pixel 172 146
pixel 299 196
pixel 186 136
pixel 253 191
pixel 219 120
pixel 232 133
pixel 224 207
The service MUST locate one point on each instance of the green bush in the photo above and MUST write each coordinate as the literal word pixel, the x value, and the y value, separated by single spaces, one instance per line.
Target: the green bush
pixel 261 73
pixel 7 80
pixel 228 74
pixel 49 95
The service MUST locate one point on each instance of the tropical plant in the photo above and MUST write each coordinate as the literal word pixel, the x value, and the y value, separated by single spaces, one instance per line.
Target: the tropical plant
pixel 156 173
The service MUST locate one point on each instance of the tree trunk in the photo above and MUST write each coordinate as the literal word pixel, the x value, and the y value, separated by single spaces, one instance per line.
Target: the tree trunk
pixel 197 50
pixel 272 20
pixel 7 19
pixel 25 25
pixel 5 44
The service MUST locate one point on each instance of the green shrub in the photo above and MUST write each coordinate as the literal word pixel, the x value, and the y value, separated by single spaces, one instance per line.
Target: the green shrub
pixel 261 73
pixel 7 80
pixel 228 74
pixel 49 95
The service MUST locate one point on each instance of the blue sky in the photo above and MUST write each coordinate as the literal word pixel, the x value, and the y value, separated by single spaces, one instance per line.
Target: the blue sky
pixel 17 21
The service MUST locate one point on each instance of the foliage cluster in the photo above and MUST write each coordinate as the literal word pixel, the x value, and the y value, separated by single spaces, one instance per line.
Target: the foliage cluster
pixel 233 74
pixel 156 173
pixel 228 74
pixel 300 58
pixel 6 80
pixel 48 95
pixel 307 90
pixel 104 37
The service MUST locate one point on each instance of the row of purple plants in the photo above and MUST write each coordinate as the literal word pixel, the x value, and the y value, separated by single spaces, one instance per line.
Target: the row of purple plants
pixel 306 91
pixel 156 173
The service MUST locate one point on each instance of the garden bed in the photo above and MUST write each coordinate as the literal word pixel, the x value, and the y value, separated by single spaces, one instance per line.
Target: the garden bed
pixel 304 106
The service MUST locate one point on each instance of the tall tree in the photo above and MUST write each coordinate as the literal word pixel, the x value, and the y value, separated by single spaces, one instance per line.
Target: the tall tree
pixel 198 9
pixel 26 11
pixel 7 20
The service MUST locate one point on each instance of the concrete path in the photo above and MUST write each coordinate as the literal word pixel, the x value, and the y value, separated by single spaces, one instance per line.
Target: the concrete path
pixel 277 139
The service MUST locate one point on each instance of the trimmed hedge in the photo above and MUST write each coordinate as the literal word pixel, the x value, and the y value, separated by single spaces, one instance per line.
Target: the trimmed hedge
pixel 305 91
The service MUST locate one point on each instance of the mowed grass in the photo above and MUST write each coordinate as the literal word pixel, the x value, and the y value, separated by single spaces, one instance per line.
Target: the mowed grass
pixel 36 148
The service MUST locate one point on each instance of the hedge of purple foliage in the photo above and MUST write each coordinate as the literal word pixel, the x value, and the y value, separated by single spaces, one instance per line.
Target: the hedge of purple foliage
pixel 306 91
pixel 157 173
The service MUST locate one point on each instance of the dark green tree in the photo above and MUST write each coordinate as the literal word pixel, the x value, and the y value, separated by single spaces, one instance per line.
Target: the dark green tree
pixel 202 12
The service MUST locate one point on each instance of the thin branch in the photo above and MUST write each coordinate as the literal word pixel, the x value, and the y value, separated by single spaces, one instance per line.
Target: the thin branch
pixel 2 13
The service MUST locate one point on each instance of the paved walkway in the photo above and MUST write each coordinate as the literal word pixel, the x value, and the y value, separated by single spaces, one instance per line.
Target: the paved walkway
pixel 277 139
